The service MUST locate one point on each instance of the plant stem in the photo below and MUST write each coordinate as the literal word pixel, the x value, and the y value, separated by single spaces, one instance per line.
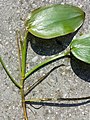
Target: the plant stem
pixel 46 62
pixel 23 103
pixel 24 53
pixel 30 88
pixel 11 78
pixel 56 99
pixel 19 51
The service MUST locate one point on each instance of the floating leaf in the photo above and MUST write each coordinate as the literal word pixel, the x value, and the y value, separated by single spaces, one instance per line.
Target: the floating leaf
pixel 54 20
pixel 80 48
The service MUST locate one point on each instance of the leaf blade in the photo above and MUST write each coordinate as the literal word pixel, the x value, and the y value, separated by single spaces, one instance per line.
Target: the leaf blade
pixel 54 20
pixel 80 48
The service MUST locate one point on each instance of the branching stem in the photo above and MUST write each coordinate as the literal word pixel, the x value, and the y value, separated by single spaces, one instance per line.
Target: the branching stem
pixel 11 78
pixel 30 88
pixel 46 62
pixel 23 70
pixel 56 99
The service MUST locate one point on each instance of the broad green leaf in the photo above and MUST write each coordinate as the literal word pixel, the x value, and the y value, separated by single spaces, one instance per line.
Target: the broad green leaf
pixel 80 48
pixel 54 20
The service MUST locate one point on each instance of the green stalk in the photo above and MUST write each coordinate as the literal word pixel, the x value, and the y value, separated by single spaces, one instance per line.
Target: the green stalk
pixel 24 104
pixel 11 78
pixel 30 88
pixel 24 52
pixel 56 99
pixel 23 70
pixel 46 62
pixel 19 51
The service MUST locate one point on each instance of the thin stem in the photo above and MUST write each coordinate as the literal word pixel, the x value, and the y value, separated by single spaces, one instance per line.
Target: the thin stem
pixel 21 42
pixel 30 88
pixel 46 63
pixel 56 99
pixel 19 51
pixel 24 104
pixel 11 78
pixel 24 53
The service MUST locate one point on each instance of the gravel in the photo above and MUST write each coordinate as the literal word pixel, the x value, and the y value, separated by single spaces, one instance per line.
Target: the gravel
pixel 73 80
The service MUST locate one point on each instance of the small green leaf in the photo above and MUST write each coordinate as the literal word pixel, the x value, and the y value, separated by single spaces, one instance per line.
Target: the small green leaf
pixel 80 48
pixel 54 20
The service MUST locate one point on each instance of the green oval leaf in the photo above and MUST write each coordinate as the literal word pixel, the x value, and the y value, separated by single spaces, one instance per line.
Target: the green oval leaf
pixel 54 20
pixel 80 48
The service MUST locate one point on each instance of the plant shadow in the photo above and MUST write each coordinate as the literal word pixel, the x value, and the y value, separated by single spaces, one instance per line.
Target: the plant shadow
pixel 81 69
pixel 52 46
pixel 58 104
